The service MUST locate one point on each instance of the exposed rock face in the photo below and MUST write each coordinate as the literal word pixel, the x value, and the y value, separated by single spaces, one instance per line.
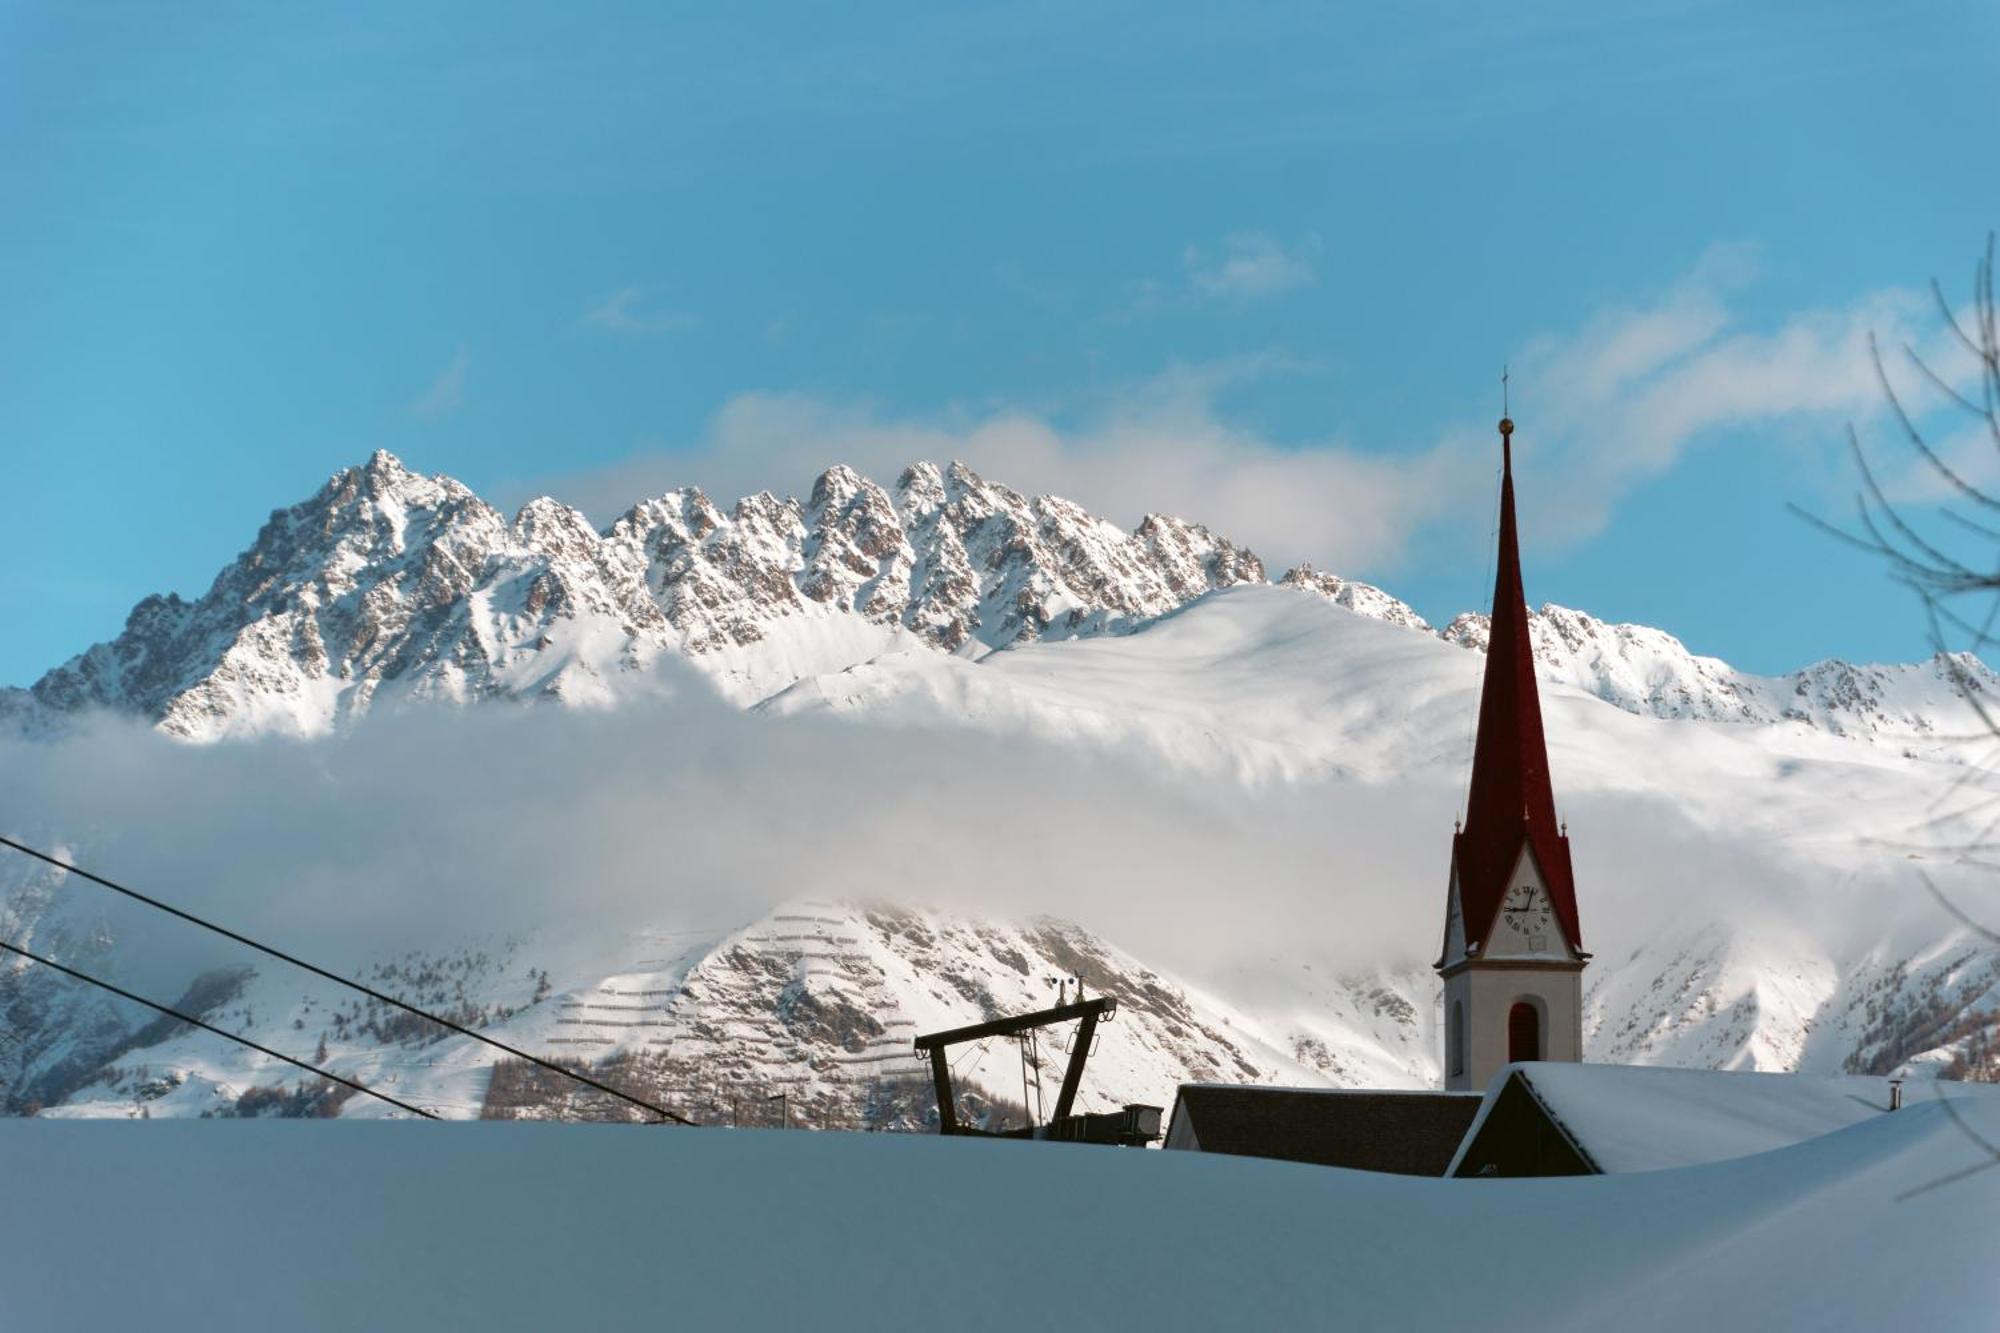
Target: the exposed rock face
pixel 1360 598
pixel 960 562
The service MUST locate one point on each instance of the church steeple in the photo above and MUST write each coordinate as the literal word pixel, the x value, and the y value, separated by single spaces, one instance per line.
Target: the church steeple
pixel 1511 803
pixel 1513 950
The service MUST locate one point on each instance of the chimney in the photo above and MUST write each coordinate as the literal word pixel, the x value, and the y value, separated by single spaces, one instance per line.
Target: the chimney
pixel 1896 1094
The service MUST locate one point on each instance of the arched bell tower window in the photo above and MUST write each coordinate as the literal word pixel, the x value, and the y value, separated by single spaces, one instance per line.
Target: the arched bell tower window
pixel 1524 1032
pixel 1455 1037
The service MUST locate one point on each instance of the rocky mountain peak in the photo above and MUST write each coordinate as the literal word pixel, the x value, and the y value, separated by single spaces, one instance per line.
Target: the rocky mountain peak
pixel 384 480
pixel 551 523
pixel 960 477
pixel 921 488
pixel 385 469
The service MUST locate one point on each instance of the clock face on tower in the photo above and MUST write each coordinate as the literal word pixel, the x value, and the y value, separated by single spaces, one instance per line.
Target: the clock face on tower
pixel 1526 911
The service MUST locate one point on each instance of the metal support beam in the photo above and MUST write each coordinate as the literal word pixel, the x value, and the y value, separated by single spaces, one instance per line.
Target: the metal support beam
pixel 1079 1051
pixel 1007 1027
pixel 941 1075
pixel 936 1043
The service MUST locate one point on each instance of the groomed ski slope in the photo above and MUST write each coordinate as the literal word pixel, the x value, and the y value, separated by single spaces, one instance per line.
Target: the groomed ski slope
pixel 204 1225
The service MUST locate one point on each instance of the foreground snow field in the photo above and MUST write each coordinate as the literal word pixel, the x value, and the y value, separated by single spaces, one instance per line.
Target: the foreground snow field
pixel 187 1225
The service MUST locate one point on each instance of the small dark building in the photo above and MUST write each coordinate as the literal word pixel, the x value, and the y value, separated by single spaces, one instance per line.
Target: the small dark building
pixel 1404 1133
pixel 1519 1135
pixel 1575 1120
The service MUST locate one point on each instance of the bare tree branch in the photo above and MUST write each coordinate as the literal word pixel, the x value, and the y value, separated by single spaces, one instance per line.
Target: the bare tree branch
pixel 1946 550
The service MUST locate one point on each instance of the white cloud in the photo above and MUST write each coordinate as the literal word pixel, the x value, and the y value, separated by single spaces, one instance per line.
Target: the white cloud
pixel 622 312
pixel 447 391
pixel 1622 399
pixel 432 826
pixel 1155 446
pixel 1251 265
pixel 1941 397
pixel 1604 409
pixel 1248 266
pixel 678 811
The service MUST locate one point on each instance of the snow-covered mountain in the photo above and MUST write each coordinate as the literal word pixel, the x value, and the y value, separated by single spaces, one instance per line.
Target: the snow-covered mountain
pixel 391 585
pixel 1645 670
pixel 1731 829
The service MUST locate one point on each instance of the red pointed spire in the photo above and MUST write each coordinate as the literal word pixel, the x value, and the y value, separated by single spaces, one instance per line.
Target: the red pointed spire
pixel 1511 804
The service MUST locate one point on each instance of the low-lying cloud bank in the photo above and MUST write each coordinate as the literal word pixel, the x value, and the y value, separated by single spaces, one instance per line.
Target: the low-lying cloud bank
pixel 432 826
pixel 421 828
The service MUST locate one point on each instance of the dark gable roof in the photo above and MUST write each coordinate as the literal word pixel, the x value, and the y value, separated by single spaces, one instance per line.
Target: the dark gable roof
pixel 1407 1133
pixel 1516 1134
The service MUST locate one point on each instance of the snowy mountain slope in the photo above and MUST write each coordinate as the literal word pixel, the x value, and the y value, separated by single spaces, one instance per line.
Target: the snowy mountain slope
pixel 52 1033
pixel 390 585
pixel 1266 684
pixel 817 1001
pixel 1238 683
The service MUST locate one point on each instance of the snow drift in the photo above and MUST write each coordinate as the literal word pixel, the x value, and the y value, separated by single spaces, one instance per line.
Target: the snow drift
pixel 1887 1224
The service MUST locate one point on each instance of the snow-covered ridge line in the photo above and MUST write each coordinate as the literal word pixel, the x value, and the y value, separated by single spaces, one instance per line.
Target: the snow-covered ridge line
pixel 1651 673
pixel 391 584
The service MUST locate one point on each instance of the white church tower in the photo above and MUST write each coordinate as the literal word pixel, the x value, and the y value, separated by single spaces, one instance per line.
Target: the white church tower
pixel 1513 955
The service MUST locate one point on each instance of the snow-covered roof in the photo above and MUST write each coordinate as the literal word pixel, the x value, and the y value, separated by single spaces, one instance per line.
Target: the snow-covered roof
pixel 1647 1118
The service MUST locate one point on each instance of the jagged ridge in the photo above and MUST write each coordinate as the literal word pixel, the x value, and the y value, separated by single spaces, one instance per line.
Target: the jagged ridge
pixel 390 580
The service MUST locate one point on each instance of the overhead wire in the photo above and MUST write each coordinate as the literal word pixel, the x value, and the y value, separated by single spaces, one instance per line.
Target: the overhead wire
pixel 351 984
pixel 192 1021
pixel 978 1048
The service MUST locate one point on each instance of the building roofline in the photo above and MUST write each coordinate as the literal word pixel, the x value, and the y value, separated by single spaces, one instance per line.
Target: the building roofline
pixel 1517 1073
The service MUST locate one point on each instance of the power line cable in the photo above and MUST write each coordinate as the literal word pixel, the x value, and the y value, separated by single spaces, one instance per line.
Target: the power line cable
pixel 191 1020
pixel 337 979
pixel 970 1051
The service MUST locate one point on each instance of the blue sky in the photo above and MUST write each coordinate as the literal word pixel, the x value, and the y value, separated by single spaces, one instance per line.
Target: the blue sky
pixel 1260 267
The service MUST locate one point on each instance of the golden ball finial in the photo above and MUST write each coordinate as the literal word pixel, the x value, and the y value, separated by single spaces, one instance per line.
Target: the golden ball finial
pixel 1506 425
